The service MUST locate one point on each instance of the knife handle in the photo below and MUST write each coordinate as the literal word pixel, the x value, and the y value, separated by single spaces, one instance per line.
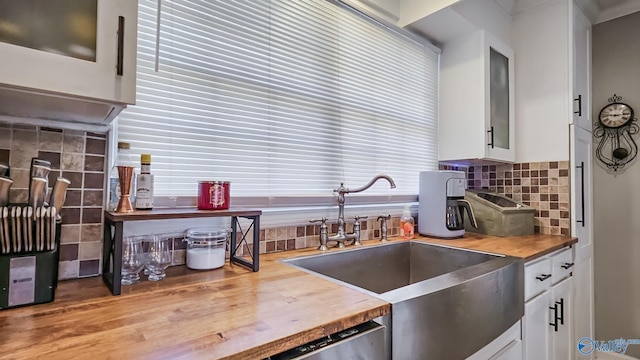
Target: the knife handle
pixel 5 185
pixel 35 192
pixel 59 195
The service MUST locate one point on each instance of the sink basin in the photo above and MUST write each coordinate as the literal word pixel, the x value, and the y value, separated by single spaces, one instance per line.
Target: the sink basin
pixel 446 303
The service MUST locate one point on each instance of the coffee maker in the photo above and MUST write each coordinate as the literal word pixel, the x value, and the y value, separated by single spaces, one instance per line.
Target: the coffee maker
pixel 441 204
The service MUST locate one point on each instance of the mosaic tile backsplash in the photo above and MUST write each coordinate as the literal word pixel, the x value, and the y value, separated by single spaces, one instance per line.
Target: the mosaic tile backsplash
pixel 544 186
pixel 284 238
pixel 78 156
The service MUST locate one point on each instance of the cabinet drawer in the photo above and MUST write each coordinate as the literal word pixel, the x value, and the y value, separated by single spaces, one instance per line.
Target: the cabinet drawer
pixel 537 278
pixel 562 265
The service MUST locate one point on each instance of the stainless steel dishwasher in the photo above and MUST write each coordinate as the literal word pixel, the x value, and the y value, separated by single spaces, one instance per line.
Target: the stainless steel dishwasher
pixel 364 341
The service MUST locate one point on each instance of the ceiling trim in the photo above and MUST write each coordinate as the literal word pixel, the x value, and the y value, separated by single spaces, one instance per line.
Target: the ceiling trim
pixel 623 9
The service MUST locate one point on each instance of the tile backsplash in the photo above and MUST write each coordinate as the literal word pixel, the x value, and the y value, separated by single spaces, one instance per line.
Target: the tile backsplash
pixel 294 237
pixel 544 186
pixel 78 156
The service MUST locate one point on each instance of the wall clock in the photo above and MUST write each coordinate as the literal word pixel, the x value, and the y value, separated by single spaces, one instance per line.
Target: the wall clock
pixel 615 115
pixel 615 128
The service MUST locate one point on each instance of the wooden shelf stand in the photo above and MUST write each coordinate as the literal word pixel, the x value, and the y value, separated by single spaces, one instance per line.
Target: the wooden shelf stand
pixel 114 225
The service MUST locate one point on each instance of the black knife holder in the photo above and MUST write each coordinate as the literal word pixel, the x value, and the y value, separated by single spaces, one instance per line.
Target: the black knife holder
pixel 28 277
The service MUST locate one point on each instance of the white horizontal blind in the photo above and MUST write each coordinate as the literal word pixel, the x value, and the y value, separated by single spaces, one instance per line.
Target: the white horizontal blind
pixel 282 98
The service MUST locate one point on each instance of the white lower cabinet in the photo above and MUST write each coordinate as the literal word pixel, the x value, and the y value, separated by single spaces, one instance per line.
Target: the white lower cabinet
pixel 536 329
pixel 547 322
pixel 561 340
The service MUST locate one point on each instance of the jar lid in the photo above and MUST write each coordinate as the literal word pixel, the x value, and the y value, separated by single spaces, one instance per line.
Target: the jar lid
pixel 123 145
pixel 214 182
pixel 207 235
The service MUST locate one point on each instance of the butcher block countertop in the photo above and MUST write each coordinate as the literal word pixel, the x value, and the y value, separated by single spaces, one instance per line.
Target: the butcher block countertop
pixel 225 313
pixel 527 247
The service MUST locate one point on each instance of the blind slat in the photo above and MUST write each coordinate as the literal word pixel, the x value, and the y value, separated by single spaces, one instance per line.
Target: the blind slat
pixel 281 98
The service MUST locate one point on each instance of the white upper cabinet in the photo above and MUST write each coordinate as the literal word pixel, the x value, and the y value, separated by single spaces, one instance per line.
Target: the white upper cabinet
pixel 68 60
pixel 553 43
pixel 476 119
pixel 581 69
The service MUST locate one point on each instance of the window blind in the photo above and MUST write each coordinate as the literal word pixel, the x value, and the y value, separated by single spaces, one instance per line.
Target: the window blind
pixel 282 98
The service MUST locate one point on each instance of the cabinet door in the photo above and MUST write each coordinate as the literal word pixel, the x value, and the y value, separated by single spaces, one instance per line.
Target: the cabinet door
pixel 476 102
pixel 536 329
pixel 561 334
pixel 47 70
pixel 500 107
pixel 582 228
pixel 581 69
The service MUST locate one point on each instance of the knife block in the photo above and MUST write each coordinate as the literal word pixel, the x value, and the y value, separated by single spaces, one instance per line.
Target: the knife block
pixel 28 278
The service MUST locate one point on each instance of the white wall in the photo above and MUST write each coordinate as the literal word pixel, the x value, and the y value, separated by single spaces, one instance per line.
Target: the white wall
pixel 388 10
pixel 443 24
pixel 414 10
pixel 487 15
pixel 616 69
pixel 541 45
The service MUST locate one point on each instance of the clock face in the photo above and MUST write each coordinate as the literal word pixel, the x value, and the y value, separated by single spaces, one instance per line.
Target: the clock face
pixel 615 115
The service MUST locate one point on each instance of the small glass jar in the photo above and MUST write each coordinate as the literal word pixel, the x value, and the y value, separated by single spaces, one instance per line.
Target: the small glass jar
pixel 206 248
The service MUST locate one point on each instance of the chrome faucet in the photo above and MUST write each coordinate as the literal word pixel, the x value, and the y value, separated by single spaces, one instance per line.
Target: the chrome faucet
pixel 341 236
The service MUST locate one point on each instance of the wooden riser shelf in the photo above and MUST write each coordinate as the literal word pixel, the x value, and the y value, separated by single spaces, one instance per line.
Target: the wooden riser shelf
pixel 113 232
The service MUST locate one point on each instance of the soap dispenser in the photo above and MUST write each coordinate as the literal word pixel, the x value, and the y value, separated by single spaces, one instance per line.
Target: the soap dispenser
pixel 406 223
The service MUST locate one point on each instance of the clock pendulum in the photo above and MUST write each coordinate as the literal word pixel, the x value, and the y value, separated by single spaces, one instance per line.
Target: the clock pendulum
pixel 615 128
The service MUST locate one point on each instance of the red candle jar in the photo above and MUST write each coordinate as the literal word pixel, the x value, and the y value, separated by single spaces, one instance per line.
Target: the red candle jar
pixel 213 195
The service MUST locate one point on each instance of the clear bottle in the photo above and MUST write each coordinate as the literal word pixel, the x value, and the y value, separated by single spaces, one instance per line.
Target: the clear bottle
pixel 407 224
pixel 144 184
pixel 123 158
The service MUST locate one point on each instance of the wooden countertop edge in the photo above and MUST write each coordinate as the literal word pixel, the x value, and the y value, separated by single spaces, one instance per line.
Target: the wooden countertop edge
pixel 277 346
pixel 569 242
pixel 529 247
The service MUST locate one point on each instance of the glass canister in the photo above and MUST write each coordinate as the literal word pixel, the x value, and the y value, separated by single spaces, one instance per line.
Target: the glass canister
pixel 206 248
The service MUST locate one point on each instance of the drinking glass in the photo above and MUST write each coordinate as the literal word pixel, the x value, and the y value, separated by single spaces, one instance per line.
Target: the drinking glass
pixel 158 256
pixel 132 259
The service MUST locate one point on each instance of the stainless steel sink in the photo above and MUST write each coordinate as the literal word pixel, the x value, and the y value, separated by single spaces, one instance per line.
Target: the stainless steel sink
pixel 446 303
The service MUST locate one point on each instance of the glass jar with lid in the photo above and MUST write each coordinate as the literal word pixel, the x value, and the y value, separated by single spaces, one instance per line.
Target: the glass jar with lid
pixel 206 247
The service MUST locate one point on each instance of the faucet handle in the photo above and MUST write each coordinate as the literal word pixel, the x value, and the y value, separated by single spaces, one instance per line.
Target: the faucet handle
pixel 383 226
pixel 323 220
pixel 356 229
pixel 324 233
